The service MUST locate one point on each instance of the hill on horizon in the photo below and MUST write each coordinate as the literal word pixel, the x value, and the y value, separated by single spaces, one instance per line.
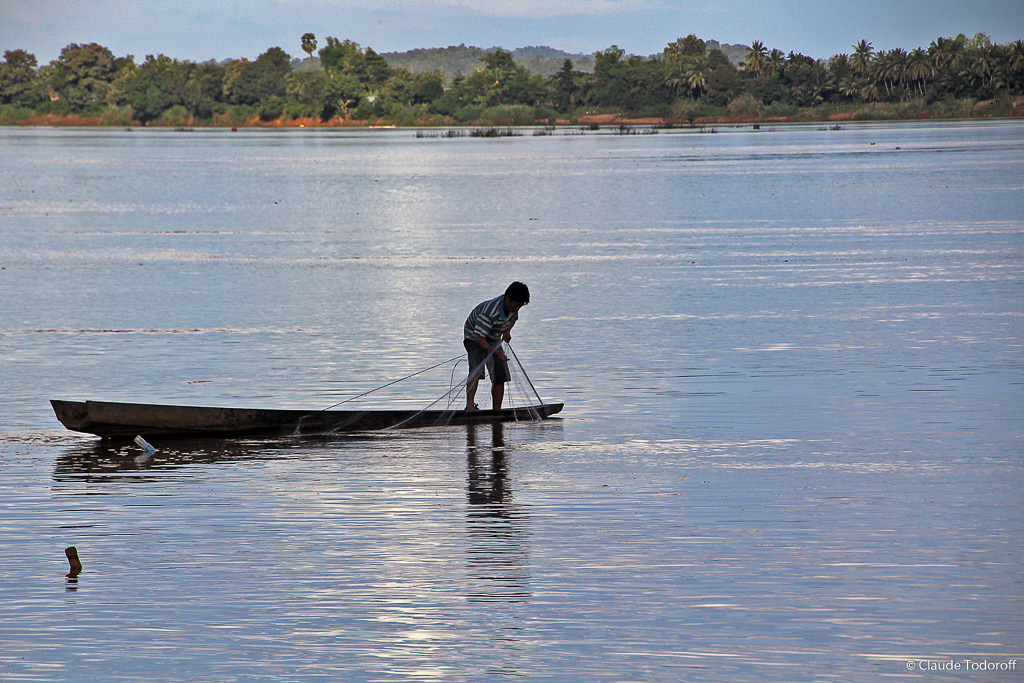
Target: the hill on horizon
pixel 538 59
pixel 465 59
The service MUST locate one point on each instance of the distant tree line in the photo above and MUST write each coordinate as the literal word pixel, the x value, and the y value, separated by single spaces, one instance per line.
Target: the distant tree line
pixel 952 76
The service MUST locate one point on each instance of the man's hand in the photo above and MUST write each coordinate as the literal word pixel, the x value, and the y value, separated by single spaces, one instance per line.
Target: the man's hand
pixel 498 353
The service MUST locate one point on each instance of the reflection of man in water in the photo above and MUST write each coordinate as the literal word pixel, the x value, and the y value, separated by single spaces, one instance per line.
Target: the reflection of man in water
pixel 486 484
pixel 498 549
pixel 488 324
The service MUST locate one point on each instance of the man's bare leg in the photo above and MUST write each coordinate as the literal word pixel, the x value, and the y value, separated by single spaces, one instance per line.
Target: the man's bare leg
pixel 471 386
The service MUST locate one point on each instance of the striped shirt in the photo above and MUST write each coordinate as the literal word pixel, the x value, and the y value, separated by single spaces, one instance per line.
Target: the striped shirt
pixel 490 320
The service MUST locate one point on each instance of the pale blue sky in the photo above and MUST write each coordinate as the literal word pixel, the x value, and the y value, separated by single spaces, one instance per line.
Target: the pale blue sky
pixel 197 30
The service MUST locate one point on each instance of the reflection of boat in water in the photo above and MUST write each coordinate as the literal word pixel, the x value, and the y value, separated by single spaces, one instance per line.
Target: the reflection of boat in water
pixel 113 420
pixel 102 461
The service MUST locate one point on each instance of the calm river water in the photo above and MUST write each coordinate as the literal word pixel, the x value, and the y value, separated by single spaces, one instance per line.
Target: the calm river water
pixel 792 361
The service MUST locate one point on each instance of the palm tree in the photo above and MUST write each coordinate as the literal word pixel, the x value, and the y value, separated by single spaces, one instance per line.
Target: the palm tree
pixel 776 60
pixel 891 68
pixel 898 68
pixel 1015 62
pixel 863 55
pixel 1017 55
pixel 869 93
pixel 697 81
pixel 677 77
pixel 938 51
pixel 1001 73
pixel 757 58
pixel 848 88
pixel 883 71
pixel 879 70
pixel 947 54
pixel 673 51
pixel 308 45
pixel 918 68
pixel 839 65
pixel 957 47
pixel 983 63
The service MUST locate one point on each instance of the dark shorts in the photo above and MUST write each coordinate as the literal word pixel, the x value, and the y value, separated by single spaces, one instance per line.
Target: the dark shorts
pixel 497 369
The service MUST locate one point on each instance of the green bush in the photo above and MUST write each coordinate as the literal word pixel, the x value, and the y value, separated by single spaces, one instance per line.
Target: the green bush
pixel 686 109
pixel 690 110
pixel 272 108
pixel 233 114
pixel 781 109
pixel 544 115
pixel 953 108
pixel 823 111
pixel 416 115
pixel 655 111
pixel 745 106
pixel 363 112
pixel 299 110
pixel 385 107
pixel 175 116
pixel 509 115
pixel 407 116
pixel 468 113
pixel 117 116
pixel 1001 105
pixel 890 111
pixel 10 114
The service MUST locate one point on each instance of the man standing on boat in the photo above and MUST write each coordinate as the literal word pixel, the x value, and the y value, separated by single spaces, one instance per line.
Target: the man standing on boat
pixel 486 327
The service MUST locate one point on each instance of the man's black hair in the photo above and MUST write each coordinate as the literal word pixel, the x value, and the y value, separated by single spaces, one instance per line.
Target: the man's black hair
pixel 519 292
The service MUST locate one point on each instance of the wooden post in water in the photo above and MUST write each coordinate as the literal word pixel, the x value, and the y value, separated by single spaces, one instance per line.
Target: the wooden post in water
pixel 76 564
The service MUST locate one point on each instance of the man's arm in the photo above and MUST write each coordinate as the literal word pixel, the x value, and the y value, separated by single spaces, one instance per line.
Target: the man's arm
pixel 482 343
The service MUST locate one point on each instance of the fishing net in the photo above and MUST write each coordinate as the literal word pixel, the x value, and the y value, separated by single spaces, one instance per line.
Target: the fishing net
pixel 443 408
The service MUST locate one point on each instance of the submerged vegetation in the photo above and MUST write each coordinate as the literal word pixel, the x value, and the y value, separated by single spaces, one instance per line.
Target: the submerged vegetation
pixel 351 85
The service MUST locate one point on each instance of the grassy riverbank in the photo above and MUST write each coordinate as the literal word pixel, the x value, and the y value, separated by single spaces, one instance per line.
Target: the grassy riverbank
pixel 738 111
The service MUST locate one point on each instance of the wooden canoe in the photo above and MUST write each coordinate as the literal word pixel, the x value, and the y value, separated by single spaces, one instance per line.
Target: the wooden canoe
pixel 117 420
